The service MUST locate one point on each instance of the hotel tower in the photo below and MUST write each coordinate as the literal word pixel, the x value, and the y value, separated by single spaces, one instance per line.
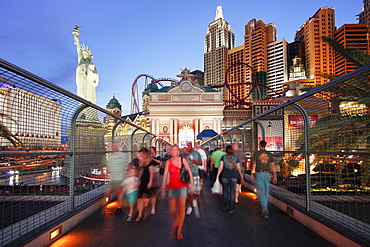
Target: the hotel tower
pixel 218 40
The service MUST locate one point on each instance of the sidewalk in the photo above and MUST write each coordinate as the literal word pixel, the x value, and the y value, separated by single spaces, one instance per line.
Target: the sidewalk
pixel 245 227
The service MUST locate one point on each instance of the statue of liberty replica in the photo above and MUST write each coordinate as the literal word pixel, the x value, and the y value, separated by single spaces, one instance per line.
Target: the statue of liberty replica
pixel 87 77
pixel 88 135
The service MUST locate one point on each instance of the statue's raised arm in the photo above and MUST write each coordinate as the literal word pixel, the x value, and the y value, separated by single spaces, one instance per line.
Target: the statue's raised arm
pixel 76 33
pixel 87 77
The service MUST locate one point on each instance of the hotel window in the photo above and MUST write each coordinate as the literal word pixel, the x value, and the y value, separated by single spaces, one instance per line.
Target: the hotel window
pixel 258 110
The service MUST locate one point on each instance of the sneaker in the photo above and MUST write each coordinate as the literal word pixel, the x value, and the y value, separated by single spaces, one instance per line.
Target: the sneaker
pixel 129 217
pixel 190 209
pixel 195 203
pixel 118 211
pixel 265 215
pixel 231 211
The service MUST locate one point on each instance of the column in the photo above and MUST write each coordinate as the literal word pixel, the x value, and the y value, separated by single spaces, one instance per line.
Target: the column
pixel 175 140
pixel 157 127
pixel 171 130
pixel 219 125
pixel 153 126
pixel 201 124
pixel 196 129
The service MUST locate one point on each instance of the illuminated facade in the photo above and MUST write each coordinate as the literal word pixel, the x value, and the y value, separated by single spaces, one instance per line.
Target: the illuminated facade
pixel 257 36
pixel 236 76
pixel 252 54
pixel 176 114
pixel 319 56
pixel 352 36
pixel 180 112
pixel 37 123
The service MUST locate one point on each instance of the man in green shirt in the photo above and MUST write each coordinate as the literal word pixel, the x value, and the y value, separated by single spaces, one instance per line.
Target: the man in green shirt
pixel 215 162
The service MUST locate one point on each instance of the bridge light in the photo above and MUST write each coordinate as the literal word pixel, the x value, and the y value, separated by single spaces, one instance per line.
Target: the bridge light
pixel 55 233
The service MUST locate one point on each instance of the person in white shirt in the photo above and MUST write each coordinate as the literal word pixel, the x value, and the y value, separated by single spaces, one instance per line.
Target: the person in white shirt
pixel 203 168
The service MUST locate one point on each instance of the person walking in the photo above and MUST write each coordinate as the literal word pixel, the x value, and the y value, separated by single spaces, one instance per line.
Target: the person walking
pixel 177 189
pixel 146 167
pixel 231 170
pixel 203 168
pixel 117 169
pixel 240 154
pixel 262 165
pixel 131 190
pixel 215 162
pixel 155 183
pixel 195 161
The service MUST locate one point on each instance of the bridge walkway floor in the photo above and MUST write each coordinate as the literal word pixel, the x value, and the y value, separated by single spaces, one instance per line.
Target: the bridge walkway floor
pixel 245 227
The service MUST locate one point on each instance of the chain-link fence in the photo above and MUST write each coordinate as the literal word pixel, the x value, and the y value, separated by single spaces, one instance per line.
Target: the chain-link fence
pixel 56 153
pixel 320 141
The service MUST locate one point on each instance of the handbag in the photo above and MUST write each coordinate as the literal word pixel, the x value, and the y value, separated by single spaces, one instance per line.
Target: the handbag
pixel 184 173
pixel 217 188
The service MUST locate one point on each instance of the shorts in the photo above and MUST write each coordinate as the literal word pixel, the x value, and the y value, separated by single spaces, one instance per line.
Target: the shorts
pixel 201 173
pixel 131 198
pixel 154 190
pixel 196 185
pixel 178 194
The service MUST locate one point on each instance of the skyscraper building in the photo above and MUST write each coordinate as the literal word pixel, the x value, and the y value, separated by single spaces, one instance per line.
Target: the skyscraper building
pixel 236 77
pixel 277 65
pixel 248 63
pixel 218 40
pixel 257 36
pixel 364 16
pixel 353 36
pixel 319 56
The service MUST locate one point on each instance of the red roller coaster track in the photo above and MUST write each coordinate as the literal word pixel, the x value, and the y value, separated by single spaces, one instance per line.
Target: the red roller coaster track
pixel 235 100
pixel 135 108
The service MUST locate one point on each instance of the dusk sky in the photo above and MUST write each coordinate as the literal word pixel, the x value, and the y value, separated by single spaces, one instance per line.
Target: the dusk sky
pixel 132 37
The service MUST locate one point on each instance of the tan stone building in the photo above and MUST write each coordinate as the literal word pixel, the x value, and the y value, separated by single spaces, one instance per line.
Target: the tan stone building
pixel 178 113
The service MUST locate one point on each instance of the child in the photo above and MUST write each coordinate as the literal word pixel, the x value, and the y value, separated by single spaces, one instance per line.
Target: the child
pixel 130 190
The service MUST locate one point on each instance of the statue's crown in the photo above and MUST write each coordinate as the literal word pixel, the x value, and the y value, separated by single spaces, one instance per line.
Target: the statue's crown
pixel 85 48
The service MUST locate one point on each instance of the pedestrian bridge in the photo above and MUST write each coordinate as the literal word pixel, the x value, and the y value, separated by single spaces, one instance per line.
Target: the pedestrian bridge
pixel 320 140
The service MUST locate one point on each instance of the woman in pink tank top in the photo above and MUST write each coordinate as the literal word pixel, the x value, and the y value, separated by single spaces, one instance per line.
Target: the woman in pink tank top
pixel 177 189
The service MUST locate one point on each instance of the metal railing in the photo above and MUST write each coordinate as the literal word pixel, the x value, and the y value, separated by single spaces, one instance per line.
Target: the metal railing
pixel 321 144
pixel 56 149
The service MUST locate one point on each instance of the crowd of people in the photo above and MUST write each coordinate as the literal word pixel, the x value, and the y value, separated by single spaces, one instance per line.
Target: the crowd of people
pixel 150 174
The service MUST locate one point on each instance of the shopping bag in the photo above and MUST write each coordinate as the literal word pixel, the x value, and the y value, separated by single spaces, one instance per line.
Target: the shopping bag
pixel 217 188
